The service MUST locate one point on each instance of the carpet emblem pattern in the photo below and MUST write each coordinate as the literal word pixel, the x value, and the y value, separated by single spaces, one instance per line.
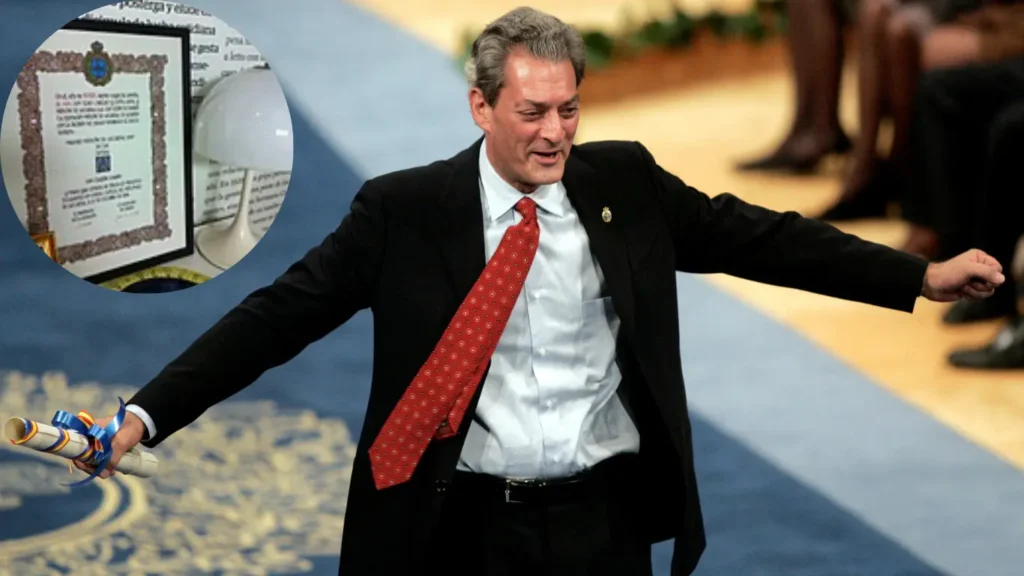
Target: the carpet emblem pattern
pixel 249 488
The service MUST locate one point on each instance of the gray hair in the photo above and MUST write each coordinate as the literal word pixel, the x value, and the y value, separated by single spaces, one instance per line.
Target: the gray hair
pixel 541 34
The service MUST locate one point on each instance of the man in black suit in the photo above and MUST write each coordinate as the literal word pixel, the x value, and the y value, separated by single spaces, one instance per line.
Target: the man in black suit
pixel 529 285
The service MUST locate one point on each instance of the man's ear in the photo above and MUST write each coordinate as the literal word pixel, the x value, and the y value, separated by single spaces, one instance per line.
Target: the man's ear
pixel 481 110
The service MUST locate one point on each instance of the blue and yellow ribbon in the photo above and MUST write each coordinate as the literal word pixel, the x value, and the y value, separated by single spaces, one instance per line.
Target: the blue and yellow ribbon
pixel 99 451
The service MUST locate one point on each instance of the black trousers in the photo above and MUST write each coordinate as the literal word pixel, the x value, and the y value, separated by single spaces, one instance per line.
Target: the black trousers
pixel 1000 214
pixel 953 161
pixel 591 528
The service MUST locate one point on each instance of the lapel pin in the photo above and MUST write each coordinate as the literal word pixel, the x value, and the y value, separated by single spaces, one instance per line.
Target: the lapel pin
pixel 606 214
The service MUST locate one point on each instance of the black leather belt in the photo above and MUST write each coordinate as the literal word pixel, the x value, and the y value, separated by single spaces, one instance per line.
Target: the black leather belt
pixel 535 492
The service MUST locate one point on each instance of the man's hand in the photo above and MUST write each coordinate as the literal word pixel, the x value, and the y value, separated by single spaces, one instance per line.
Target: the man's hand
pixel 128 435
pixel 971 275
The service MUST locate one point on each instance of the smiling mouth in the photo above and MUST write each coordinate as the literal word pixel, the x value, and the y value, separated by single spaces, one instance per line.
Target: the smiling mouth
pixel 548 155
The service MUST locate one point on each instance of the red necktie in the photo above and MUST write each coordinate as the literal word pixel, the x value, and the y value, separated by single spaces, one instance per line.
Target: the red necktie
pixel 436 401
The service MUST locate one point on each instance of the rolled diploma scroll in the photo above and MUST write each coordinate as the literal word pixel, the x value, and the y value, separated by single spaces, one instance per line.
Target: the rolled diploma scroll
pixel 73 446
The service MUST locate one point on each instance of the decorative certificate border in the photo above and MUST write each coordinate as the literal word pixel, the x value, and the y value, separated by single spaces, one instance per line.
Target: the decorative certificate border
pixel 170 236
pixel 34 165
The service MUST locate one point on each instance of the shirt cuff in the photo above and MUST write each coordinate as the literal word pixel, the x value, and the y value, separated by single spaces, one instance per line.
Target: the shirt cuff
pixel 144 416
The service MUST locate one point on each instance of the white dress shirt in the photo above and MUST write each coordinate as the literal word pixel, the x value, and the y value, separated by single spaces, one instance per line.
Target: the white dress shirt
pixel 548 407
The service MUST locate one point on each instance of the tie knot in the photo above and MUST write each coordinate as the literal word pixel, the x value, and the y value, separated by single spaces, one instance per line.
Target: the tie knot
pixel 528 208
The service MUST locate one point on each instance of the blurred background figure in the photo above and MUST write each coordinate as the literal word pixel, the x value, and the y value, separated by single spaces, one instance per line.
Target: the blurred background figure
pixel 965 185
pixel 899 39
pixel 947 75
pixel 999 230
pixel 896 41
pixel 816 44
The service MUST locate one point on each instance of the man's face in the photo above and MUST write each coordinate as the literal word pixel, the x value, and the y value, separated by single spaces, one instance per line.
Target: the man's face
pixel 532 125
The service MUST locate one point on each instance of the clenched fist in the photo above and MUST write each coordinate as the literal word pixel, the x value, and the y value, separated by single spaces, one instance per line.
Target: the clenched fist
pixel 971 275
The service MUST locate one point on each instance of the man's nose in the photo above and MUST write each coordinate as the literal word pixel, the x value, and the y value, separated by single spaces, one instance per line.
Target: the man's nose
pixel 552 130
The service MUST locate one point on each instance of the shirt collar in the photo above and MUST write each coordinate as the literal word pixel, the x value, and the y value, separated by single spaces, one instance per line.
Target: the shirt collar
pixel 502 197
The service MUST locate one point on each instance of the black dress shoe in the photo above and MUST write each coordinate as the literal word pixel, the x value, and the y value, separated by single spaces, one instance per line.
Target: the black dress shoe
pixel 968 311
pixel 1005 352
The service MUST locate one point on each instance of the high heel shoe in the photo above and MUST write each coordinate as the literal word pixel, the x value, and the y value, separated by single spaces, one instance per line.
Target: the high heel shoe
pixel 785 162
pixel 842 144
pixel 869 201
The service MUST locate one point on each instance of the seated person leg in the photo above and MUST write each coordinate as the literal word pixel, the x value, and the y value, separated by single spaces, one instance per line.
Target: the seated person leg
pixel 953 109
pixel 1003 225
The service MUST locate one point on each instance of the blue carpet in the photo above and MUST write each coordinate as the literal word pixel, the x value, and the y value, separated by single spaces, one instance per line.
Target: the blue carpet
pixel 260 481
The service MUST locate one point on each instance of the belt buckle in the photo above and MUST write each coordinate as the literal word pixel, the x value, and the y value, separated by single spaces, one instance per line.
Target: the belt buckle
pixel 508 491
pixel 509 483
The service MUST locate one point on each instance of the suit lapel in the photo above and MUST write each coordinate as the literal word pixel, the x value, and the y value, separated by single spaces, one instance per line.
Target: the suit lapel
pixel 460 225
pixel 603 214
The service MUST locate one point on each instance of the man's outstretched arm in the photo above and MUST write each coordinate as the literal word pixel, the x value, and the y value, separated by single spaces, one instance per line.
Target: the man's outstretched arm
pixel 726 235
pixel 272 325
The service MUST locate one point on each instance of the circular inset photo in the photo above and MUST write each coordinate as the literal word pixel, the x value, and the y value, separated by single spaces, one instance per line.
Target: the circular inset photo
pixel 144 151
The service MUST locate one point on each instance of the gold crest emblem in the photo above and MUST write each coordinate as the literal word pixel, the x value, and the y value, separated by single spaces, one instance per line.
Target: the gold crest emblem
pixel 606 214
pixel 97 66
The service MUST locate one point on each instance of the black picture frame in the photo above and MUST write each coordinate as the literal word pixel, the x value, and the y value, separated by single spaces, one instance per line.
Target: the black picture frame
pixel 184 195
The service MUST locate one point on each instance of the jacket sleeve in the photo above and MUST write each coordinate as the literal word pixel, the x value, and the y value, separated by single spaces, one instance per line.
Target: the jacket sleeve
pixel 726 235
pixel 272 325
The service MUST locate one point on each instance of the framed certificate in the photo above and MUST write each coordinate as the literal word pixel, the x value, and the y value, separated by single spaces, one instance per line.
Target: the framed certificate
pixel 104 120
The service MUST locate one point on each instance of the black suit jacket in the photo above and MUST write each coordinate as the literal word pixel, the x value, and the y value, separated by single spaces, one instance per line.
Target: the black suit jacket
pixel 412 247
